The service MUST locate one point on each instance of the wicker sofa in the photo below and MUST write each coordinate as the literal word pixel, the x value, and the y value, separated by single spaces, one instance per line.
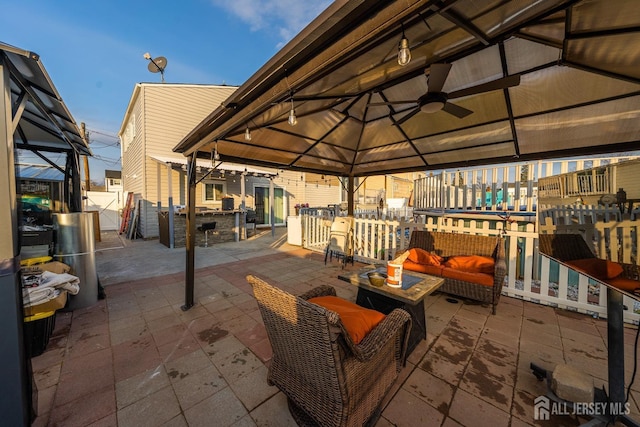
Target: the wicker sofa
pixel 483 287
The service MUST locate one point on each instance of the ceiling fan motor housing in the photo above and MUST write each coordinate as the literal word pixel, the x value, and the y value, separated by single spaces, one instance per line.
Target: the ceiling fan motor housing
pixel 432 102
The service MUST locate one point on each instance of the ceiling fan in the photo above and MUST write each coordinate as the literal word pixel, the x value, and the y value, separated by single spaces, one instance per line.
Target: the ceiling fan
pixel 435 100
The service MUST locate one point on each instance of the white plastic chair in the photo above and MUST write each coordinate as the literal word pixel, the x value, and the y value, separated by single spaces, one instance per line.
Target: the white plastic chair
pixel 340 240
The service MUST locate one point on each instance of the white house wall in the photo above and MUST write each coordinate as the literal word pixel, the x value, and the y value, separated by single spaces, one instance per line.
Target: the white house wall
pixel 170 113
pixel 132 146
pixel 300 191
pixel 163 114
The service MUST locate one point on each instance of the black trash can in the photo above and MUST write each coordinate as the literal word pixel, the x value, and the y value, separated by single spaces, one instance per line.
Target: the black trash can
pixel 227 203
pixel 37 331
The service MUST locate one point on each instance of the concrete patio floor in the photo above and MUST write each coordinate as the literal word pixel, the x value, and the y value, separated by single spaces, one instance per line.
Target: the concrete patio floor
pixel 136 359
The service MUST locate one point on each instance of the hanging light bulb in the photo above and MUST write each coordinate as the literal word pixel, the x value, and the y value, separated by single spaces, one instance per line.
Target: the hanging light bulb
pixel 216 156
pixel 292 115
pixel 404 53
pixel 247 134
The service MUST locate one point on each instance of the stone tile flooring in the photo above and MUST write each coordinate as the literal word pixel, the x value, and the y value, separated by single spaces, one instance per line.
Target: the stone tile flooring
pixel 136 359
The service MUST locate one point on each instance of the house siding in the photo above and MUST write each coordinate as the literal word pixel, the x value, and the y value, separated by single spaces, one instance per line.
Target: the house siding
pixel 308 188
pixel 627 178
pixel 133 153
pixel 163 114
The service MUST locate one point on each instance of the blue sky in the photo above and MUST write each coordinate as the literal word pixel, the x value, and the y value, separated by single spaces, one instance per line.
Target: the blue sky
pixel 93 50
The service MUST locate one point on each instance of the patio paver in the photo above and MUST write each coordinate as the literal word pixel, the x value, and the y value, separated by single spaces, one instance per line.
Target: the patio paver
pixel 137 359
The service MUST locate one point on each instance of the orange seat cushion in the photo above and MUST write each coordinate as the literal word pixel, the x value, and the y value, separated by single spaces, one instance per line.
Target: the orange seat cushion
pixel 466 276
pixel 358 321
pixel 420 256
pixel 434 270
pixel 471 263
pixel 599 268
pixel 625 284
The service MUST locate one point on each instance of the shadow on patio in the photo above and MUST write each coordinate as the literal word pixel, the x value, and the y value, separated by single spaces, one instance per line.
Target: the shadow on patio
pixel 137 359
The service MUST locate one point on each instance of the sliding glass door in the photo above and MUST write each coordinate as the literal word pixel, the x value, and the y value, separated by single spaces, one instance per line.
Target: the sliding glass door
pixel 263 210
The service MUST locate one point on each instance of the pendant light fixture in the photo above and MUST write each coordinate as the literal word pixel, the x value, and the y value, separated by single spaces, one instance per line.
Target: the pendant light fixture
pixel 247 134
pixel 404 53
pixel 292 115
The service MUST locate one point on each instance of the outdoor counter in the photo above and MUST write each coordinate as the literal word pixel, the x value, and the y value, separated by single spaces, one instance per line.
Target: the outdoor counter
pixel 229 227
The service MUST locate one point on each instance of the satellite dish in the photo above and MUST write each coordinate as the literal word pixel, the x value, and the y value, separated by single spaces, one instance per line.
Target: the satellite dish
pixel 157 65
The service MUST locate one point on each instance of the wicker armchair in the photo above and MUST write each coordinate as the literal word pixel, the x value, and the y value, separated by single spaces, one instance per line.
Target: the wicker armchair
pixel 329 380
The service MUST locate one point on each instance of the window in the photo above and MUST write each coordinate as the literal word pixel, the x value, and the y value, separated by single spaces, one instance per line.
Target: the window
pixel 214 191
pixel 129 133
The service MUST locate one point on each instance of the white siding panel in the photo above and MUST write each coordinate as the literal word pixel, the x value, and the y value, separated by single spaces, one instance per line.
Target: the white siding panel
pixel 173 111
pixel 164 114
pixel 627 178
pixel 132 159
pixel 318 195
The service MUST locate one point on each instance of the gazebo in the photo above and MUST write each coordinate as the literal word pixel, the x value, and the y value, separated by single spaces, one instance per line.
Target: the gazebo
pixel 370 88
pixel 376 87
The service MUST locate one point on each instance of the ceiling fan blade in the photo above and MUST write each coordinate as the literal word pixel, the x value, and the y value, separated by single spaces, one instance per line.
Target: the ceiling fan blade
pixel 456 110
pixel 437 76
pixel 376 104
pixel 407 117
pixel 502 83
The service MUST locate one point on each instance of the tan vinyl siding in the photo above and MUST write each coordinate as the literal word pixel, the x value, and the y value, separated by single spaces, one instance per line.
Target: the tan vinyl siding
pixel 172 112
pixel 132 159
pixel 627 178
pixel 312 189
pixel 320 195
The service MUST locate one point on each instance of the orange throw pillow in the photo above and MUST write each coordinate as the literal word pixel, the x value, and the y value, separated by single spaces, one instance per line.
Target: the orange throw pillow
pixel 420 256
pixel 596 267
pixel 358 321
pixel 472 263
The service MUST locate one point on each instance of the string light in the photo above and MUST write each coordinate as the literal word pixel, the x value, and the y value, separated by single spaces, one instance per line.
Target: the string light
pixel 292 115
pixel 404 53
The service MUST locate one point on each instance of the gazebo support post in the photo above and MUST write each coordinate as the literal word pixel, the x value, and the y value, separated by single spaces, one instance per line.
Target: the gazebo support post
pixel 15 406
pixel 191 233
pixel 350 195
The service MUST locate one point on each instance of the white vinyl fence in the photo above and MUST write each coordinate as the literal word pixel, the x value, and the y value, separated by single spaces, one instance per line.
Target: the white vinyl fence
pixel 109 204
pixel 530 275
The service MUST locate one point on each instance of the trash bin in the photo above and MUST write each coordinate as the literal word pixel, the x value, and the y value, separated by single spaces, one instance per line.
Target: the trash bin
pixel 163 228
pixel 75 246
pixel 37 331
pixel 227 203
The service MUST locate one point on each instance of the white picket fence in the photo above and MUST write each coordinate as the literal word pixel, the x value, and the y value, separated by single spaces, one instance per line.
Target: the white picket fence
pixel 584 213
pixel 530 276
pixel 515 186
